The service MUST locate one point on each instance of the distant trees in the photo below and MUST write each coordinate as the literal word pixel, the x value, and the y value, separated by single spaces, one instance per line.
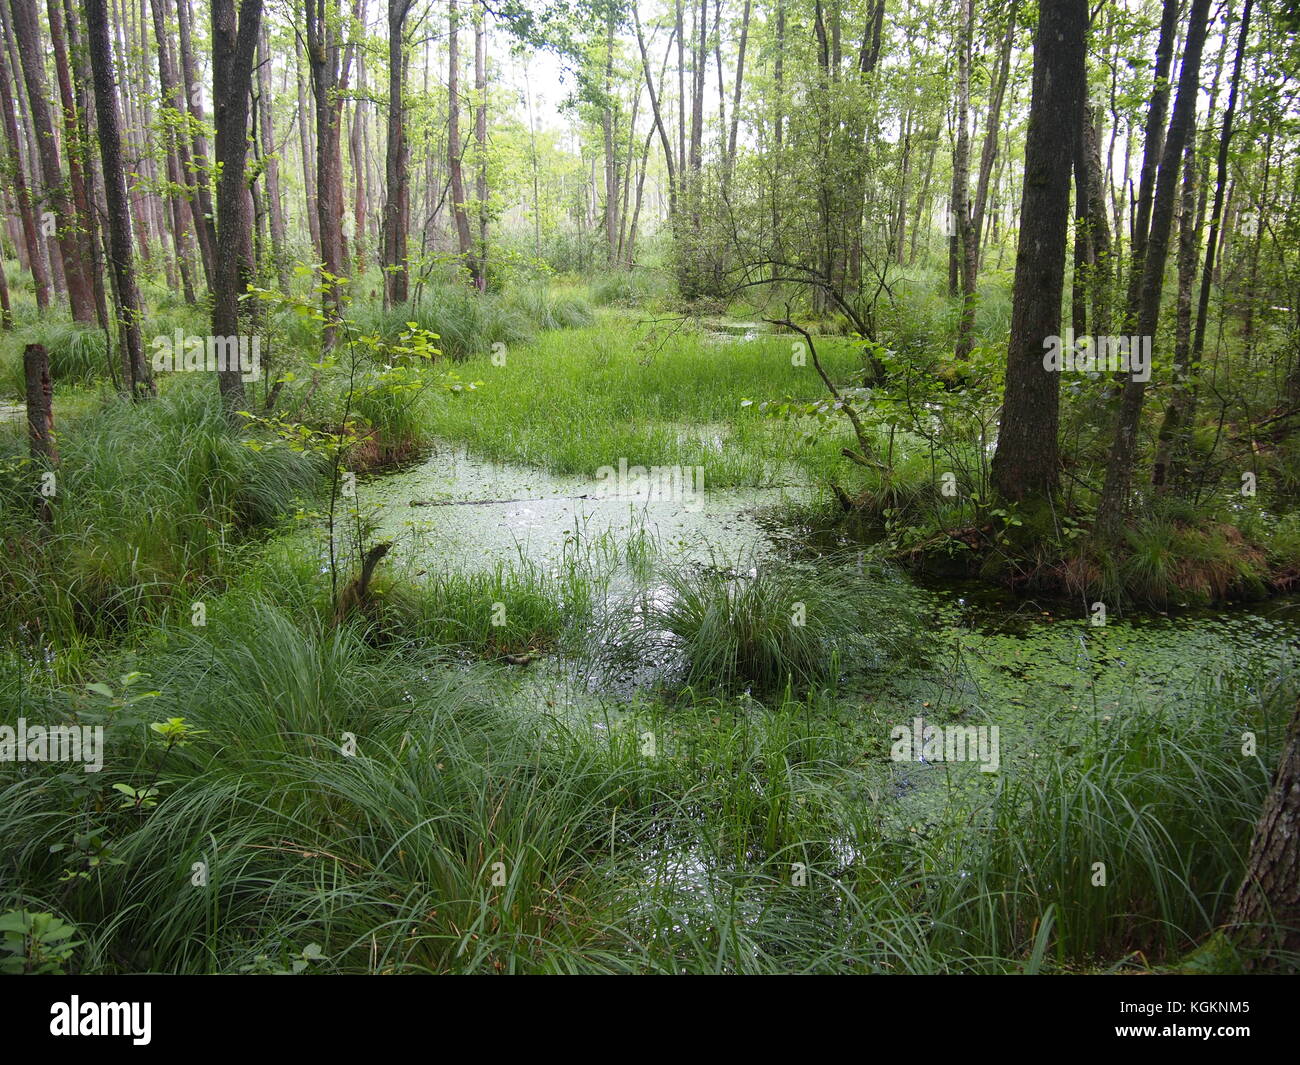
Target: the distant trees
pixel 54 191
pixel 329 61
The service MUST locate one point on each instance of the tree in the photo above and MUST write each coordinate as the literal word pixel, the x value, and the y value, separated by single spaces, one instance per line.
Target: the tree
pixel 234 43
pixel 1150 262
pixel 456 150
pixel 135 370
pixel 1181 410
pixel 1266 914
pixel 397 204
pixel 32 56
pixel 1026 462
pixel 35 253
pixel 329 77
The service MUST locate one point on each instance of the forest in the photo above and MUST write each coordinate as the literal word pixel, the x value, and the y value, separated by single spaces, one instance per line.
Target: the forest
pixel 649 487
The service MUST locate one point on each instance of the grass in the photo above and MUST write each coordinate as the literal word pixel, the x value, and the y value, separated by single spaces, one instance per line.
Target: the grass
pixel 372 798
pixel 150 500
pixel 656 395
pixel 507 609
pixel 77 352
pixel 766 626
pixel 461 837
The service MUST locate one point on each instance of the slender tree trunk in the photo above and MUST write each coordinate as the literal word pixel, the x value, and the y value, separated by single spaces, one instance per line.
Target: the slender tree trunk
pixel 965 247
pixel 480 141
pixel 455 148
pixel 1114 496
pixel 74 146
pixel 201 186
pixel 1266 916
pixel 729 164
pixel 32 56
pixel 328 80
pixel 308 146
pixel 397 205
pixel 1188 243
pixel 356 149
pixel 1153 143
pixel 137 378
pixel 31 239
pixel 988 154
pixel 611 154
pixel 271 156
pixel 234 43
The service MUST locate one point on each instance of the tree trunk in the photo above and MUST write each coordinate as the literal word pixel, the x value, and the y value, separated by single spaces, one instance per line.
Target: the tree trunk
pixel 480 141
pixel 328 80
pixel 611 155
pixel 31 240
pixel 308 155
pixel 234 42
pixel 32 57
pixel 1266 916
pixel 201 184
pixel 275 206
pixel 965 248
pixel 40 405
pixel 1026 464
pixel 1119 471
pixel 1176 410
pixel 397 205
pixel 356 149
pixel 988 154
pixel 454 148
pixel 74 146
pixel 1151 155
pixel 137 378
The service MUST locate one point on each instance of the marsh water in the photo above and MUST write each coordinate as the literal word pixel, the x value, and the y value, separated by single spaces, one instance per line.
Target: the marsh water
pixel 994 650
pixel 1041 670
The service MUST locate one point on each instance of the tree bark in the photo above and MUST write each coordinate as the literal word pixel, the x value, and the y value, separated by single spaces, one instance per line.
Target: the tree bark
pixel 454 149
pixel 965 246
pixel 397 205
pixel 1119 471
pixel 1025 464
pixel 271 170
pixel 328 80
pixel 1266 915
pixel 136 376
pixel 32 57
pixel 201 183
pixel 234 42
pixel 31 239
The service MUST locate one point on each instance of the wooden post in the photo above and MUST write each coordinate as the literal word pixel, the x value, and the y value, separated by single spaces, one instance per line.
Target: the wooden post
pixel 40 407
pixel 40 415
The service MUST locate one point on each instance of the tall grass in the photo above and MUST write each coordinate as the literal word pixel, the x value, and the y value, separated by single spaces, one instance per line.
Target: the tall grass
pixel 150 499
pixel 77 351
pixel 458 837
pixel 771 624
pixel 577 400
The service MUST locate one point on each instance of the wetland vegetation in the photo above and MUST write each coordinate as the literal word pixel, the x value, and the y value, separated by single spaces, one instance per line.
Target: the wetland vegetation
pixel 626 555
